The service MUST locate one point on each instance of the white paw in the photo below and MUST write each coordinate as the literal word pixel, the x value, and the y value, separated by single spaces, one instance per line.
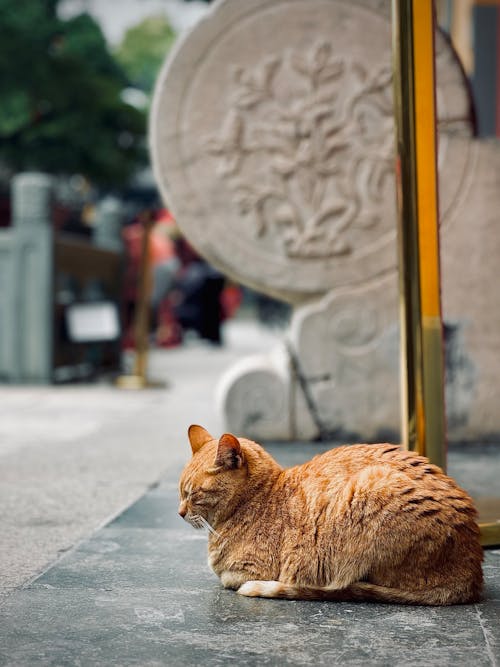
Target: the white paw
pixel 260 589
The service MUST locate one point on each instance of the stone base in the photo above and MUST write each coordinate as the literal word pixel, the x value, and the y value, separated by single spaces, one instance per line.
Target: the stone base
pixel 260 398
pixel 337 375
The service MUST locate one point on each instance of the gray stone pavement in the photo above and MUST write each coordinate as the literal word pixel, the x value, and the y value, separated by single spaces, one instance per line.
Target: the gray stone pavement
pixel 72 457
pixel 134 587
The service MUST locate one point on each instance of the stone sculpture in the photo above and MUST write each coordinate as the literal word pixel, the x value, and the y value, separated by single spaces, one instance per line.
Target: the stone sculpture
pixel 272 141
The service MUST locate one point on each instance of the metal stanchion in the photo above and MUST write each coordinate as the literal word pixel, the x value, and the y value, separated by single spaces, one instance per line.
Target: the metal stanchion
pixel 138 378
pixel 420 307
pixel 423 413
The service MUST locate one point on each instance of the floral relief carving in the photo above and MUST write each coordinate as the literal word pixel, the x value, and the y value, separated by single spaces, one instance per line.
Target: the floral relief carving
pixel 306 147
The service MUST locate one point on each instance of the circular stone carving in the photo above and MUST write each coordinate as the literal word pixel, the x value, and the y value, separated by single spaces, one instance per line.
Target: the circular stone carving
pixel 272 141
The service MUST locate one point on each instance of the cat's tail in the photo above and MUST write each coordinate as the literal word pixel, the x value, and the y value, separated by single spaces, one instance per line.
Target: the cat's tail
pixel 360 591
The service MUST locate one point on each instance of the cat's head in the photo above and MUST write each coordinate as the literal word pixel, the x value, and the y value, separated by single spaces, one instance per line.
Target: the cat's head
pixel 218 476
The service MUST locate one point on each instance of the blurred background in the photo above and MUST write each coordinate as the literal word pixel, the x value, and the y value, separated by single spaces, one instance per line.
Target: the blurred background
pixel 76 80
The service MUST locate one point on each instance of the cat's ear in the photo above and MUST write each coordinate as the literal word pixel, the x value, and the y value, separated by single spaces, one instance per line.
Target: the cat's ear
pixel 229 454
pixel 198 436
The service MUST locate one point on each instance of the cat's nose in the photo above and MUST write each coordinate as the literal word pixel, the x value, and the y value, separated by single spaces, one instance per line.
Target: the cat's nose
pixel 182 510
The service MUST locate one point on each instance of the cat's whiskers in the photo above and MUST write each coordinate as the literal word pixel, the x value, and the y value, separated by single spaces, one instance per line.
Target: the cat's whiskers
pixel 196 521
pixel 201 520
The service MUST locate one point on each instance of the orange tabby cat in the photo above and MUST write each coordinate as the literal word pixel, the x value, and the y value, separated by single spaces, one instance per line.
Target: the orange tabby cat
pixel 362 522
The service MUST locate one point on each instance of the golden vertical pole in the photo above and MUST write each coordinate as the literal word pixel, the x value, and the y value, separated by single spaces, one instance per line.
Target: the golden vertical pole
pixel 138 379
pixel 142 318
pixel 423 413
pixel 417 196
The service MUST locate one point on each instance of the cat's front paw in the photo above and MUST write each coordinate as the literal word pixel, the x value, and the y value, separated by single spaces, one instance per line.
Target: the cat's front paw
pixel 260 589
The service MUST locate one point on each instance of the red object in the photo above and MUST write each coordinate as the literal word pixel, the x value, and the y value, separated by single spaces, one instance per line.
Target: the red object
pixel 231 298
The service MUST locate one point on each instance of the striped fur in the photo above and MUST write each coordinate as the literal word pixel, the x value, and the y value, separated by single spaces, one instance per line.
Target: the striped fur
pixel 360 522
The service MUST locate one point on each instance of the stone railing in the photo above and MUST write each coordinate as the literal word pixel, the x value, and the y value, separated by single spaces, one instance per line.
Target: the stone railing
pixel 32 258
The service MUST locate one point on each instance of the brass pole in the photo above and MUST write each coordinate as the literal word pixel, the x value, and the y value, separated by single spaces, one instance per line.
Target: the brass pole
pixel 422 384
pixel 138 379
pixel 142 318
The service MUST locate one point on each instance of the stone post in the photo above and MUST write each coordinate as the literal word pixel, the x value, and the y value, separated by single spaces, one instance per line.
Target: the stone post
pixel 28 325
pixel 6 301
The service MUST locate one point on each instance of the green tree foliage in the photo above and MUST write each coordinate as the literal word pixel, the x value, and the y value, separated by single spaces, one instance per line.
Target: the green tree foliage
pixel 61 109
pixel 143 50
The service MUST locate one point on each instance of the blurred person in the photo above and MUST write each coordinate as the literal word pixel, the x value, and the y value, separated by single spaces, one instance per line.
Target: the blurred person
pixel 187 293
pixel 199 291
pixel 164 266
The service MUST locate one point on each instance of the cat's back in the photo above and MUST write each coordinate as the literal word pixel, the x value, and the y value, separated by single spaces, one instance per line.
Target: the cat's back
pixel 347 460
pixel 384 483
pixel 386 466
